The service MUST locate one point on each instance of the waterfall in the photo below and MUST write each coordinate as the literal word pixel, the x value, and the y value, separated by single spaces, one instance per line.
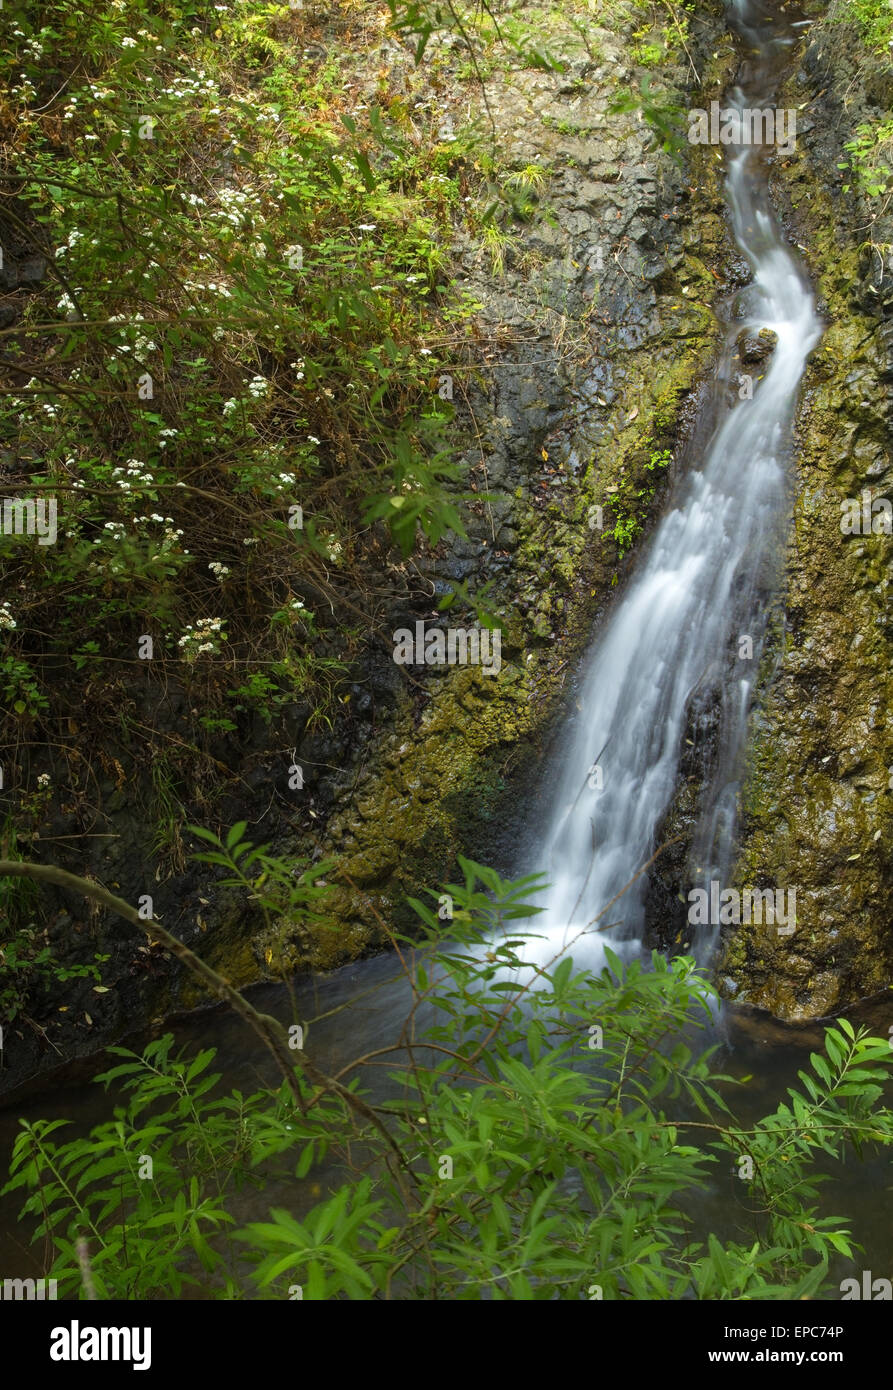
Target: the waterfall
pixel 676 635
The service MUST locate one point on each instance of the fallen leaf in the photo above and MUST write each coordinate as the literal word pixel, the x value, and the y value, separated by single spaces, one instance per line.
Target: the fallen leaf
pixel 100 989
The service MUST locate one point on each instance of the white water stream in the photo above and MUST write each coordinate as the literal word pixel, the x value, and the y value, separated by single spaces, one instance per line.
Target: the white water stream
pixel 702 584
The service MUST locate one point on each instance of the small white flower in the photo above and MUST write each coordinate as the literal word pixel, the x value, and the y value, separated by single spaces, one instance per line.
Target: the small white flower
pixel 43 779
pixel 128 43
pixel 313 439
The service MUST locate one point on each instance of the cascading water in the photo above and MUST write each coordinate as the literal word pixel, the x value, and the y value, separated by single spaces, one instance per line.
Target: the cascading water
pixel 702 585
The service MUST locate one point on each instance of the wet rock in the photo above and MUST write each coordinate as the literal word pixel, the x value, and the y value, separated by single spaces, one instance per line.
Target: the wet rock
pixel 756 347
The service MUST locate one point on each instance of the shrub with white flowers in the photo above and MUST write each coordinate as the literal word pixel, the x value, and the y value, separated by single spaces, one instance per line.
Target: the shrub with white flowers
pixel 202 638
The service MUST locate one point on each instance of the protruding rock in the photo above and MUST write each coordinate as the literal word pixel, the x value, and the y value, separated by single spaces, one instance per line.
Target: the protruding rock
pixel 754 347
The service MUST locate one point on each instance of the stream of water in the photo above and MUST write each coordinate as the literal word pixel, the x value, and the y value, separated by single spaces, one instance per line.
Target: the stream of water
pixel 689 629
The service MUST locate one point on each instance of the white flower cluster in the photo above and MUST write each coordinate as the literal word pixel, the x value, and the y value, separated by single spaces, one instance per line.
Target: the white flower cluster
pixel 6 618
pixel 203 637
pixel 141 345
pixel 171 535
pixel 220 570
pixel 132 472
pixel 74 236
pixel 191 86
pixel 43 779
pixel 24 89
pixel 258 386
pixel 236 206
pixel 215 286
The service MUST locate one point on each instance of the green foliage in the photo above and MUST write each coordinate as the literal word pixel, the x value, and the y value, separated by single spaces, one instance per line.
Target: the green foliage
pixel 479 603
pixel 869 151
pixel 277 887
pixel 624 531
pixel 29 966
pixel 664 116
pixel 873 18
pixel 21 690
pixel 481 25
pixel 241 281
pixel 145 1235
pixel 545 1132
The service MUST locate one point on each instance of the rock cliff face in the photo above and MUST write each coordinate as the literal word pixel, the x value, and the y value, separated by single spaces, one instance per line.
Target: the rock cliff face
pixel 588 370
pixel 820 790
